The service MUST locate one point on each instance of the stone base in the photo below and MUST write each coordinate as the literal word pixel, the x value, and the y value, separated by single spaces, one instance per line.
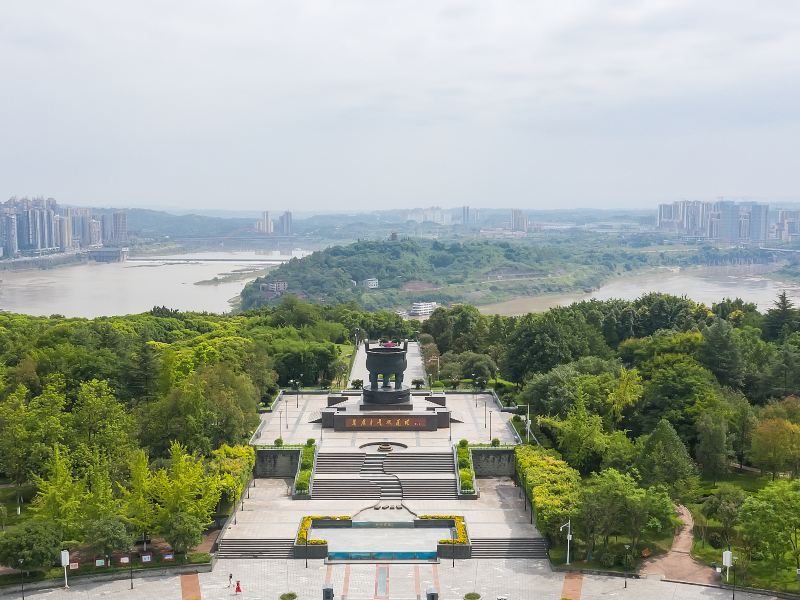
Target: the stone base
pixel 383 396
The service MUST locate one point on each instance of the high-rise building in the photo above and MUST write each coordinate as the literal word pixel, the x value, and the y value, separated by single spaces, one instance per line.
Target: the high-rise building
pixel 119 224
pixel 10 243
pixel 519 220
pixel 285 223
pixel 723 220
pixel 465 215
pixel 264 224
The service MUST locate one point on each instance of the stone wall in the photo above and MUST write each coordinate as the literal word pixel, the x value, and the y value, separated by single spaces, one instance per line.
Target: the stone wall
pixel 276 462
pixel 493 462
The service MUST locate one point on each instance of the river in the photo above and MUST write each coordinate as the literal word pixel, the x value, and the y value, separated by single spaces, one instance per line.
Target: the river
pixel 752 283
pixel 185 282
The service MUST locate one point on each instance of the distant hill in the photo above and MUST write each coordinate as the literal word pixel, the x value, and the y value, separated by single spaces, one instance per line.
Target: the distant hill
pixel 157 224
pixel 478 271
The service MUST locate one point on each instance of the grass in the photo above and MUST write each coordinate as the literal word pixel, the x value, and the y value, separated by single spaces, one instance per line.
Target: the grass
pixel 658 545
pixel 744 480
pixel 8 498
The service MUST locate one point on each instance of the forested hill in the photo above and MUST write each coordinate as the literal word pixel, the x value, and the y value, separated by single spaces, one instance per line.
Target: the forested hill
pixel 475 271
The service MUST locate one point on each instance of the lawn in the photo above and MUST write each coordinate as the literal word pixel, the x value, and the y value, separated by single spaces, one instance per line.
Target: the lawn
pixel 745 480
pixel 8 498
pixel 659 545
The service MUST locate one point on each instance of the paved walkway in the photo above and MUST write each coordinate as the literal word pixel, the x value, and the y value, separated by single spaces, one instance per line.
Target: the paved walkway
pixel 517 579
pixel 677 564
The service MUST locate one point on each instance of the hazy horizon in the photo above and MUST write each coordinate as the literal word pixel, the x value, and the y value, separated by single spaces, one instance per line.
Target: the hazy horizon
pixel 363 106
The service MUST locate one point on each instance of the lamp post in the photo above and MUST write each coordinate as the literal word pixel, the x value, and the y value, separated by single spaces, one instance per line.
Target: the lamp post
pixel 306 549
pixel 484 414
pixel 130 563
pixel 568 525
pixel 22 578
pixel 474 391
pixel 490 425
pixel 453 545
pixel 627 556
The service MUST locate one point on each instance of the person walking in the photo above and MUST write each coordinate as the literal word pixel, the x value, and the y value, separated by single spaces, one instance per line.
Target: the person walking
pixel 238 589
pixel 230 579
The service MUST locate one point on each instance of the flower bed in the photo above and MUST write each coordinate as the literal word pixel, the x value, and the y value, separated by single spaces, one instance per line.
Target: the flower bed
pixel 458 523
pixel 302 482
pixel 307 522
pixel 466 473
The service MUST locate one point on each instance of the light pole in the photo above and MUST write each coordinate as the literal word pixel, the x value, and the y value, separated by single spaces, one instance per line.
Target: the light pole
pixel 484 414
pixel 22 578
pixel 474 391
pixel 528 425
pixel 453 546
pixel 130 563
pixel 568 525
pixel 627 557
pixel 490 425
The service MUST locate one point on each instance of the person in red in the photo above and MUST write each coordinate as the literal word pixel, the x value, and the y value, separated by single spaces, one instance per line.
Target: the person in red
pixel 238 587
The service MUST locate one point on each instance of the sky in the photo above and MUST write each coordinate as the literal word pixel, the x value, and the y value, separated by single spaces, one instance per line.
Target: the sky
pixel 376 104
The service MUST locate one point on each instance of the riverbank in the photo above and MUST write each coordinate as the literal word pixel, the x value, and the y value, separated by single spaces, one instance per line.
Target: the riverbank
pixel 753 283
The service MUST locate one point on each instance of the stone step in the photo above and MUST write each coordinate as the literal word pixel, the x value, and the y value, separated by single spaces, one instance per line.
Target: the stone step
pixel 255 548
pixel 532 548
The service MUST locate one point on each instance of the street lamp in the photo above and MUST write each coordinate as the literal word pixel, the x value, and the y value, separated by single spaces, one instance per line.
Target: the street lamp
pixel 22 578
pixel 453 545
pixel 474 391
pixel 568 525
pixel 627 557
pixel 490 425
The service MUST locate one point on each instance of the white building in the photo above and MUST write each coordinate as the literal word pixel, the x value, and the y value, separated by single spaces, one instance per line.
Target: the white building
pixel 422 309
pixel 370 284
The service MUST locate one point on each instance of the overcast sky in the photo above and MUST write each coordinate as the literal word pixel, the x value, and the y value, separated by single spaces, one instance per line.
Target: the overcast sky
pixel 350 104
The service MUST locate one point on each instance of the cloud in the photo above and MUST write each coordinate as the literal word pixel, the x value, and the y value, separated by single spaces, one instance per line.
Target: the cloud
pixel 363 103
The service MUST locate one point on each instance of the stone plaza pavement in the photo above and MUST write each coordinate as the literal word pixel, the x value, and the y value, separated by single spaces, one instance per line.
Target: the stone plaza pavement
pixel 516 579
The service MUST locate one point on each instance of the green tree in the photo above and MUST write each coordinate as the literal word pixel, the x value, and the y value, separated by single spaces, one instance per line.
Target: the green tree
pixel 138 505
pixel 183 531
pixel 721 354
pixel 60 497
pixel 107 535
pixel 664 460
pixel 627 392
pixel 712 450
pixel 780 320
pixel 724 506
pixel 34 545
pixel 581 439
pixel 772 444
pixel 742 423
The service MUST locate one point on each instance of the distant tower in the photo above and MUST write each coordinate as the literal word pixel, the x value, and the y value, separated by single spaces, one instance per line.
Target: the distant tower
pixel 519 220
pixel 465 215
pixel 119 224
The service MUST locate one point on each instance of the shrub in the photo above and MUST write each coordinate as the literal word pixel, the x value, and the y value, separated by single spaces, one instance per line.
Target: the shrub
pixel 463 443
pixel 495 442
pixel 516 418
pixel 472 596
pixel 310 442
pixel 417 383
pixel 463 463
pixel 715 540
pixel 288 596
pixel 303 481
pixel 465 475
pixel 278 442
pixel 607 559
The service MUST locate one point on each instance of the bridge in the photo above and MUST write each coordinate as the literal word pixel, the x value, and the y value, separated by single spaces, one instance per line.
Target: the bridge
pixel 184 260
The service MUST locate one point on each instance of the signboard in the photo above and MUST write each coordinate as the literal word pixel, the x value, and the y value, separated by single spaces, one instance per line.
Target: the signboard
pixel 727 558
pixel 146 558
pixel 385 422
pixel 124 560
pixel 168 556
pixel 65 558
pixel 99 562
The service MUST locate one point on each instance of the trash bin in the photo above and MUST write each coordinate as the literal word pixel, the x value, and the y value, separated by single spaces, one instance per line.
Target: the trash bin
pixel 431 594
pixel 327 592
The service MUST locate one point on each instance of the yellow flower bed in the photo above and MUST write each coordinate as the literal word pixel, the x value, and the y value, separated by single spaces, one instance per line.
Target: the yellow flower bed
pixel 305 525
pixel 461 528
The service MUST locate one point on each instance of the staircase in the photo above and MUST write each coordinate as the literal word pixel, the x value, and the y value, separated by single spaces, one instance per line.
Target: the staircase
pixel 345 488
pixel 420 489
pixel 530 548
pixel 271 548
pixel 420 462
pixel 339 462
pixel 377 476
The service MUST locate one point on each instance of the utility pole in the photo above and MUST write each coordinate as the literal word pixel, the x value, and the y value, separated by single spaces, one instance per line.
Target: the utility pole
pixel 568 525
